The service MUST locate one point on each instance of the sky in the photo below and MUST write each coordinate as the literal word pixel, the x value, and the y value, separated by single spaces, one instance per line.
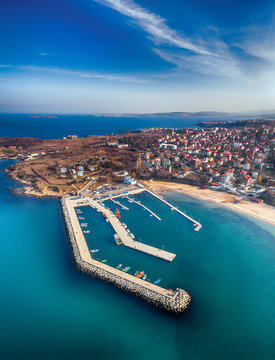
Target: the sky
pixel 136 56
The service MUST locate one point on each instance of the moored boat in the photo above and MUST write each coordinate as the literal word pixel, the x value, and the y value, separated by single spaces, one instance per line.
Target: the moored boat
pixel 117 214
pixel 104 261
pixel 157 281
pixel 119 266
pixel 127 268
pixel 117 239
pixel 140 274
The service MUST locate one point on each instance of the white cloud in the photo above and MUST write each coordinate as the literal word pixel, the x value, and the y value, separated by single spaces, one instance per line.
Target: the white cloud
pixel 153 25
pixel 212 56
pixel 88 75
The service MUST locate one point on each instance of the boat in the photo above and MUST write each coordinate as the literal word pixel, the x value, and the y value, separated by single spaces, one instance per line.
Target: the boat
pixel 132 236
pixel 144 277
pixel 117 214
pixel 86 231
pixel 107 220
pixel 127 268
pixel 128 231
pixel 124 225
pixel 157 281
pixel 140 274
pixel 104 261
pixel 94 251
pixel 81 218
pixel 84 224
pixel 117 239
pixel 119 266
pixel 104 215
pixel 136 273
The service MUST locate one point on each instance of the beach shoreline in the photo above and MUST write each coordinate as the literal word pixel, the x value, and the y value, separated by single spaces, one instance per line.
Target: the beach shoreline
pixel 261 212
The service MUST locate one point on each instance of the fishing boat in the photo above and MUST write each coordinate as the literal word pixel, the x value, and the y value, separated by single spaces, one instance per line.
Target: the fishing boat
pixel 140 274
pixel 144 277
pixel 104 261
pixel 104 215
pixel 107 220
pixel 157 281
pixel 94 251
pixel 128 231
pixel 117 214
pixel 127 268
pixel 132 236
pixel 124 225
pixel 84 224
pixel 119 266
pixel 86 231
pixel 117 239
pixel 81 218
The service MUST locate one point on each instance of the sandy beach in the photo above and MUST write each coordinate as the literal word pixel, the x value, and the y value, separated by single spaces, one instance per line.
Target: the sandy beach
pixel 262 212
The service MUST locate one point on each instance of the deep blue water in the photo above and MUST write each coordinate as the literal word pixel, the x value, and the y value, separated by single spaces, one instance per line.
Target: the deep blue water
pixel 50 310
pixel 20 125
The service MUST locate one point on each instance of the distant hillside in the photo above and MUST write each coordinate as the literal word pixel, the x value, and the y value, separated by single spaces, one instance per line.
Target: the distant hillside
pixel 260 114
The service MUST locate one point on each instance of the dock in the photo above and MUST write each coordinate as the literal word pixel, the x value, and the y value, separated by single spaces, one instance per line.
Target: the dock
pixel 119 204
pixel 172 300
pixel 196 223
pixel 140 204
pixel 126 238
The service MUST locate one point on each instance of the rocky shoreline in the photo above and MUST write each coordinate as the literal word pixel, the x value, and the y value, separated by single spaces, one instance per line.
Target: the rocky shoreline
pixel 175 304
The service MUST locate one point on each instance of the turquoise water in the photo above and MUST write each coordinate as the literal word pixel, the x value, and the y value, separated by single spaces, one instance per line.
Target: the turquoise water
pixel 49 310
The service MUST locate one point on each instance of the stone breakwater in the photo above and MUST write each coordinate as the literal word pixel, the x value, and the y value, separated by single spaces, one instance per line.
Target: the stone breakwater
pixel 177 301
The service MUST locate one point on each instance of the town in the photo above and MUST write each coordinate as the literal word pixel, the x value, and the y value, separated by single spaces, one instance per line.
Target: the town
pixel 239 160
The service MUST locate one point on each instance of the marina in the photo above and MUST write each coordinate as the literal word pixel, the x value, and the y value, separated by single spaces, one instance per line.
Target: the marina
pixel 176 301
pixel 126 238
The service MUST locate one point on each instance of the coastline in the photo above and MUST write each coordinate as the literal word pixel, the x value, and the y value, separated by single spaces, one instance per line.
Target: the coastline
pixel 261 212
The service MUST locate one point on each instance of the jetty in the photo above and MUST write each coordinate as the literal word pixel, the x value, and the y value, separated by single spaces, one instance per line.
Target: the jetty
pixel 195 223
pixel 125 236
pixel 140 204
pixel 118 203
pixel 172 300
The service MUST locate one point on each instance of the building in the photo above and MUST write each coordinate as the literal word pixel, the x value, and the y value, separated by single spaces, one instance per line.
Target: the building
pixel 129 180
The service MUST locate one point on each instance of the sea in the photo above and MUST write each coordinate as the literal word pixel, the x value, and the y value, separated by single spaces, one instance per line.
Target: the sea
pixel 50 310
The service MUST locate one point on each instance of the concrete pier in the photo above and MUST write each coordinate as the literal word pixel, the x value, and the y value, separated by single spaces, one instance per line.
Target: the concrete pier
pixel 198 225
pixel 172 300
pixel 119 204
pixel 146 208
pixel 126 238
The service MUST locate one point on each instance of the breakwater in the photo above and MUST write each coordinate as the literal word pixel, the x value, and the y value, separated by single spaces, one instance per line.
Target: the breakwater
pixel 171 300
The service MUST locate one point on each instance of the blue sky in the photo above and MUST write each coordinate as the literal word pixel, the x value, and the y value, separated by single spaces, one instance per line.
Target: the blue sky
pixel 103 56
